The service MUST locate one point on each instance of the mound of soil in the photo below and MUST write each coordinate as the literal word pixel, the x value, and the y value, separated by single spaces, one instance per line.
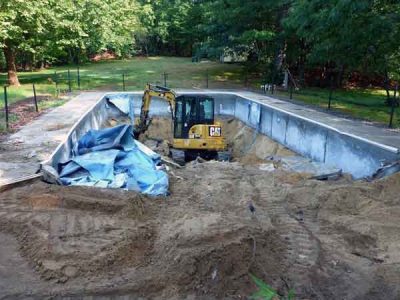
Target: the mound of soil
pixel 247 145
pixel 183 244
pixel 325 240
pixel 222 222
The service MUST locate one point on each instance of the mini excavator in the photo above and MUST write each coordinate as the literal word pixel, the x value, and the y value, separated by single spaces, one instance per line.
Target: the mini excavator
pixel 195 132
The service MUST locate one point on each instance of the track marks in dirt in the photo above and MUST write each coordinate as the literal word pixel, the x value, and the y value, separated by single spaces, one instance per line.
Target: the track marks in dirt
pixel 70 242
pixel 202 240
pixel 302 247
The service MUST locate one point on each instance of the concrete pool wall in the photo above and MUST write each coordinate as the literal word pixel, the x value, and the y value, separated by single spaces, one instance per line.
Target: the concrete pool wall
pixel 353 154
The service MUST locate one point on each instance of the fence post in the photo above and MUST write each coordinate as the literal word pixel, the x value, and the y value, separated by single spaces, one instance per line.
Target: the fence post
pixel 207 78
pixel 123 82
pixel 330 92
pixel 265 83
pixel 35 98
pixel 79 78
pixel 69 81
pixel 394 102
pixel 273 82
pixel 165 79
pixel 290 90
pixel 6 105
pixel 56 82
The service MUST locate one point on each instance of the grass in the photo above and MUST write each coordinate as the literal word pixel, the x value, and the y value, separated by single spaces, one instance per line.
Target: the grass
pixel 266 292
pixel 366 104
pixel 182 73
pixel 27 112
pixel 107 75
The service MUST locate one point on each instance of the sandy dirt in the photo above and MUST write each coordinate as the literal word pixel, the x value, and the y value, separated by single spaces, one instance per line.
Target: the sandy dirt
pixel 23 112
pixel 325 239
pixel 247 145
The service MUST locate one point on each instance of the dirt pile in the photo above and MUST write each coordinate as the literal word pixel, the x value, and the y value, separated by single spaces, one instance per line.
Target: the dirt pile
pixel 247 145
pixel 178 245
pixel 325 239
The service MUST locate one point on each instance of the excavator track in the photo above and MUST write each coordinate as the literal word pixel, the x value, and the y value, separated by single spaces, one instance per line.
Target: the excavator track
pixel 178 156
pixel 303 247
pixel 183 156
pixel 224 155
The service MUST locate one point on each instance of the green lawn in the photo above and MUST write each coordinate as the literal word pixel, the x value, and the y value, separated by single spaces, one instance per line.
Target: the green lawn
pixel 367 104
pixel 182 73
pixel 107 75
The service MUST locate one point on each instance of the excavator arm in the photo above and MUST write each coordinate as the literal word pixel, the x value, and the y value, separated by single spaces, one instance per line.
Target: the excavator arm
pixel 150 92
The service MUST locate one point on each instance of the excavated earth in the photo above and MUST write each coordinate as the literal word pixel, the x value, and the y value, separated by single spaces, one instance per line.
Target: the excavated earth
pixel 325 239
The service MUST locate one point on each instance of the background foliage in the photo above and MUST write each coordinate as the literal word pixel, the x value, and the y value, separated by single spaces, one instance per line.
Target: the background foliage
pixel 318 40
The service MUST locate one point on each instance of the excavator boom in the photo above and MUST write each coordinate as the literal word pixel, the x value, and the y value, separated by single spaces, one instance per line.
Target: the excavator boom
pixel 150 92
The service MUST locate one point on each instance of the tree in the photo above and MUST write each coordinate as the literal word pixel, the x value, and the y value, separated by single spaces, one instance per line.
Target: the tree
pixel 20 21
pixel 168 26
pixel 327 35
pixel 51 29
pixel 358 35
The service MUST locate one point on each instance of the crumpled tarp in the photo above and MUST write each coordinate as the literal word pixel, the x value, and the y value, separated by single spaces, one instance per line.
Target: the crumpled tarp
pixel 112 158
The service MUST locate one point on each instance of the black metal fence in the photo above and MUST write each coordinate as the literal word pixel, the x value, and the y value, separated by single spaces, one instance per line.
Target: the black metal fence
pixel 48 90
pixel 45 91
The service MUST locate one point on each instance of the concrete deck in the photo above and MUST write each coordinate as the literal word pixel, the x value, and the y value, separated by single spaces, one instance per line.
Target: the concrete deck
pixel 23 151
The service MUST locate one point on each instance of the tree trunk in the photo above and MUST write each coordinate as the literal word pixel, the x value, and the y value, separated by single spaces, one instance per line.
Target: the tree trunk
pixel 387 86
pixel 301 71
pixel 41 65
pixel 11 68
pixel 339 82
pixel 70 57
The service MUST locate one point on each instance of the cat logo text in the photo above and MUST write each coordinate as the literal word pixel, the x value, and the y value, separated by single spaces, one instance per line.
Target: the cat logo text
pixel 215 131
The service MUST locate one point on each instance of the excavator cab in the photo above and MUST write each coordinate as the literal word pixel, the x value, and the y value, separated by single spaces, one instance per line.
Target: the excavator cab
pixel 195 130
pixel 191 110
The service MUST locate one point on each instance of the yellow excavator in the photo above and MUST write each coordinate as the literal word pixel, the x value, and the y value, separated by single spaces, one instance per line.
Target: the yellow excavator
pixel 195 132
